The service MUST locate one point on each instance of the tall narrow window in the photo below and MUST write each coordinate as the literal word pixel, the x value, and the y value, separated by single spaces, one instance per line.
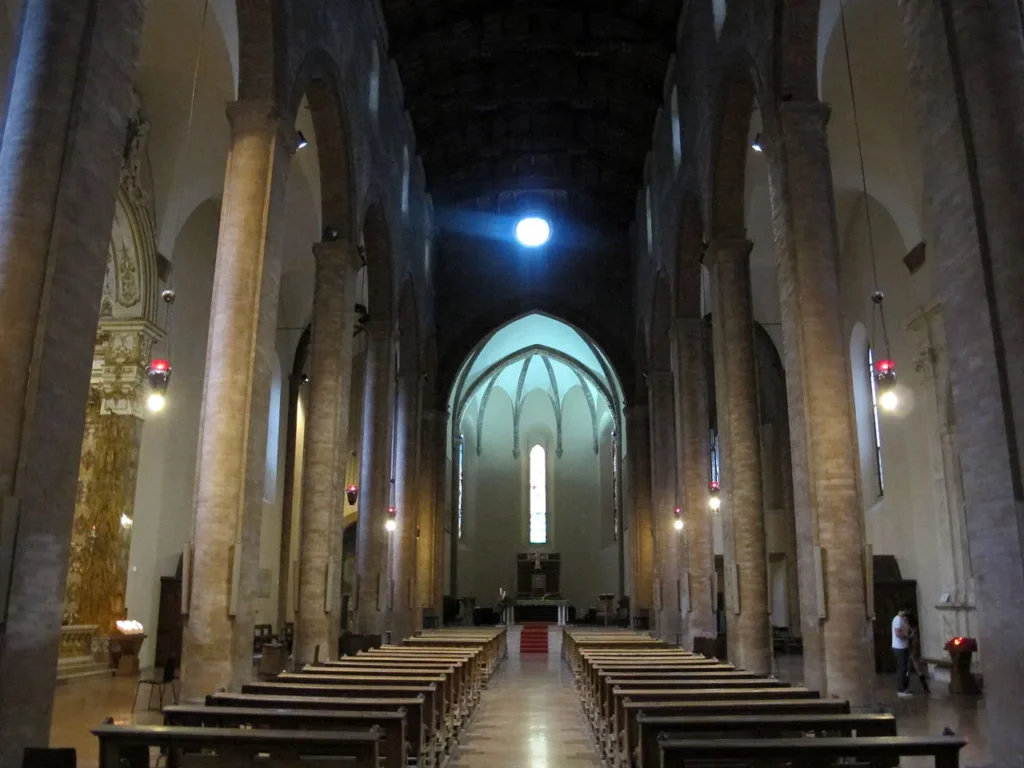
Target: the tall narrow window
pixel 615 486
pixel 875 427
pixel 460 463
pixel 538 496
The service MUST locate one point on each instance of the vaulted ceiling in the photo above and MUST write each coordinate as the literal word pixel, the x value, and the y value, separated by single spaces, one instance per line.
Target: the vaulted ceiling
pixel 539 97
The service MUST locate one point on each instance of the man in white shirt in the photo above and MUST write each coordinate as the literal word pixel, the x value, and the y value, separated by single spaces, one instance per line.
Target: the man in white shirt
pixel 901 649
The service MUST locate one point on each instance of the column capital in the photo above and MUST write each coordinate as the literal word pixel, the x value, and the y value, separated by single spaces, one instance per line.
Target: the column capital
pixel 729 248
pixel 808 112
pixel 341 253
pixel 261 116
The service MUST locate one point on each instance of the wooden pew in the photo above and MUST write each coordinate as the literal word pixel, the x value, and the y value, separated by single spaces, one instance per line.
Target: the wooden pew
pixel 457 683
pixel 654 727
pixel 127 746
pixel 444 684
pixel 628 734
pixel 646 695
pixel 415 711
pixel 433 710
pixel 591 682
pixel 606 704
pixel 676 753
pixel 393 746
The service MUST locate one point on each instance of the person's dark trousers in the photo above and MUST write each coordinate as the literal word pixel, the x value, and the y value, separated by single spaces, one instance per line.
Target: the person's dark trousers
pixel 902 668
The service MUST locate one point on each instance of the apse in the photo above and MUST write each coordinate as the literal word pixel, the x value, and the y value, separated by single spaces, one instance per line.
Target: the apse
pixel 536 451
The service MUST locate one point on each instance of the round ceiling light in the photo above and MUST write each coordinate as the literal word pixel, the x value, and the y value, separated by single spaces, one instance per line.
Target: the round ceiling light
pixel 533 232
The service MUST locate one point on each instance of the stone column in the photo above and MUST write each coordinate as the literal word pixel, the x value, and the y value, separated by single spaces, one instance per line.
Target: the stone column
pixel 962 56
pixel 403 541
pixel 638 435
pixel 823 442
pixel 693 429
pixel 372 582
pixel 60 160
pixel 217 648
pixel 326 452
pixel 433 423
pixel 746 567
pixel 667 541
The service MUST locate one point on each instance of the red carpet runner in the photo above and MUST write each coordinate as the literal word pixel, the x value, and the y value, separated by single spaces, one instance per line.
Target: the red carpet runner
pixel 534 638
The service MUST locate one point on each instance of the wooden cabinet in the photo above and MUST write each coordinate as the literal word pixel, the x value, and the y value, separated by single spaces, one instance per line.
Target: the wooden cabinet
pixel 169 621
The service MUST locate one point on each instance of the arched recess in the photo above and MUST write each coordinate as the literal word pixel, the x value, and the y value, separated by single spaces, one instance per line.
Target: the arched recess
pixel 728 188
pixel 319 81
pixel 128 329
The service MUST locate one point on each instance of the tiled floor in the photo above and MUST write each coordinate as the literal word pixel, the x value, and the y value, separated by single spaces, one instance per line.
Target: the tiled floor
pixel 529 717
pixel 922 715
pixel 81 705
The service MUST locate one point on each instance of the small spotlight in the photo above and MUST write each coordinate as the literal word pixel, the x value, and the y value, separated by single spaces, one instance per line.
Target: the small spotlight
pixel 533 231
pixel 758 143
pixel 156 402
pixel 889 400
pixel 390 526
pixel 302 143
pixel 678 525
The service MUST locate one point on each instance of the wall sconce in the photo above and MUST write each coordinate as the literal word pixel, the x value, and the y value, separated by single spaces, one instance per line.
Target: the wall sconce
pixel 352 493
pixel 714 497
pixel 678 522
pixel 391 523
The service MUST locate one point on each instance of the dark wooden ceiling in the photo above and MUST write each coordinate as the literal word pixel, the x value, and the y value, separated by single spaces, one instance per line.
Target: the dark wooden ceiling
pixel 556 97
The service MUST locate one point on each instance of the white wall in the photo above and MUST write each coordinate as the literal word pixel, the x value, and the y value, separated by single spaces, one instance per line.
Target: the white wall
pixel 167 459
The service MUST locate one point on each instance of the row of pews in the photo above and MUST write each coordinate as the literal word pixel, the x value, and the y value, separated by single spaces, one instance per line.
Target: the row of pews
pixel 653 705
pixel 393 706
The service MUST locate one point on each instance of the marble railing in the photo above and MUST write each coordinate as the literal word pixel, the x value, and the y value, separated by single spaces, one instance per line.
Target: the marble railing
pixel 76 641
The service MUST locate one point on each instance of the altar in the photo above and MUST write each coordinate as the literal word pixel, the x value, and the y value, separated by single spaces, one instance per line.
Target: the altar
pixel 539 610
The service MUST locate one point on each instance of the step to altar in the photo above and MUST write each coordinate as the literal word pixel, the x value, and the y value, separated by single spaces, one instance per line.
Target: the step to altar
pixel 533 638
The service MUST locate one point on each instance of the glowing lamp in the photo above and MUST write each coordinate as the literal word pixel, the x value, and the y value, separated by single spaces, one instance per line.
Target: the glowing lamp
pixel 352 493
pixel 158 376
pixel 391 523
pixel 714 498
pixel 678 522
pixel 885 379
pixel 533 231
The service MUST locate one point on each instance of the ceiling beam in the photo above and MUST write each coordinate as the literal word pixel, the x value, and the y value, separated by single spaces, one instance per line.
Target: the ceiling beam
pixel 408 31
pixel 496 77
pixel 613 158
pixel 442 124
